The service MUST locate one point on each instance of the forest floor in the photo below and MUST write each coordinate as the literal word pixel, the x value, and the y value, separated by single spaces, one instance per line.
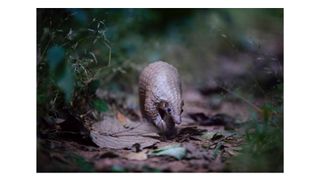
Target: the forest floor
pixel 210 135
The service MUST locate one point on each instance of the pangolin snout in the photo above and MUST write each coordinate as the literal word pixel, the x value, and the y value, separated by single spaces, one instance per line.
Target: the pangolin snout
pixel 177 119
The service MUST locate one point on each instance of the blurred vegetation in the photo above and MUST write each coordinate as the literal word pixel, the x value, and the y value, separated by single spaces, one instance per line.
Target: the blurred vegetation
pixel 81 50
pixel 263 147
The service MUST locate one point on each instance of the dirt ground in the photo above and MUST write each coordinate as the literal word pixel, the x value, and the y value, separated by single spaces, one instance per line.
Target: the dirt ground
pixel 210 135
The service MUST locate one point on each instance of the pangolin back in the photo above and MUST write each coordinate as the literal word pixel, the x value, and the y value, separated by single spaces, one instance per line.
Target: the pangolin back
pixel 159 81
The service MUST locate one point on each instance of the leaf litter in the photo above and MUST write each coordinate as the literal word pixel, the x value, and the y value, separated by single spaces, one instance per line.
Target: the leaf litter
pixel 175 151
pixel 121 133
pixel 142 155
pixel 126 144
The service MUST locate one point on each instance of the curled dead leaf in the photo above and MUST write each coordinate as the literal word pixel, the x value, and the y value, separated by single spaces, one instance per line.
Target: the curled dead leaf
pixel 112 134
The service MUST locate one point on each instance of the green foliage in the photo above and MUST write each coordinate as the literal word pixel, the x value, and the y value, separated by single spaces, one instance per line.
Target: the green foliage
pixel 93 86
pixel 175 151
pixel 66 82
pixel 82 164
pixel 99 105
pixel 55 57
pixel 75 51
pixel 108 44
pixel 263 148
pixel 217 150
pixel 61 71
pixel 117 168
pixel 70 51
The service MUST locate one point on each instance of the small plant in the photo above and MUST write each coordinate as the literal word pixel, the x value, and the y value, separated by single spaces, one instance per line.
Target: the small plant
pixel 73 55
pixel 263 148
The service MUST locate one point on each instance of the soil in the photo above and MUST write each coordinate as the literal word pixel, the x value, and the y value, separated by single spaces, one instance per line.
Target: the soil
pixel 210 134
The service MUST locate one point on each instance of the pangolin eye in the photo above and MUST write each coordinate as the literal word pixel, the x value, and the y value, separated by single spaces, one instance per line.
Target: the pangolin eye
pixel 181 111
pixel 169 110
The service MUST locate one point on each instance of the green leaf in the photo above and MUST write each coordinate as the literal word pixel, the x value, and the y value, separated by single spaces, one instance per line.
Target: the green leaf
pixel 216 151
pixel 66 82
pixel 93 86
pixel 55 56
pixel 100 105
pixel 61 71
pixel 117 168
pixel 175 151
pixel 41 98
pixel 103 72
pixel 83 164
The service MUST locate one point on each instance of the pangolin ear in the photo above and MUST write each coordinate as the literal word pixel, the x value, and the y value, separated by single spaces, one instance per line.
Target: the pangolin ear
pixel 163 104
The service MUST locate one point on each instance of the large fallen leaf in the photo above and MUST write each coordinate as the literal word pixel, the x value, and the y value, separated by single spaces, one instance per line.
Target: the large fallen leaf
pixel 175 151
pixel 126 134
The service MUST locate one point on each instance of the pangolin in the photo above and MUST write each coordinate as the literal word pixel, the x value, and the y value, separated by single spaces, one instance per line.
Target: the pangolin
pixel 160 96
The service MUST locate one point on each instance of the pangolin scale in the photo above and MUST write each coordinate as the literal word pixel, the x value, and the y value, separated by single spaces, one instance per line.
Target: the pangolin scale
pixel 160 96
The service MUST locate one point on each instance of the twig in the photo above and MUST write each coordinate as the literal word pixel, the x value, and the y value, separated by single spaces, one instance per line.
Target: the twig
pixel 110 51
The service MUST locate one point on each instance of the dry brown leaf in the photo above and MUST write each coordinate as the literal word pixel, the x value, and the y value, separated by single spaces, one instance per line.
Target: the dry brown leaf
pixel 122 118
pixel 138 156
pixel 231 152
pixel 111 133
pixel 60 120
